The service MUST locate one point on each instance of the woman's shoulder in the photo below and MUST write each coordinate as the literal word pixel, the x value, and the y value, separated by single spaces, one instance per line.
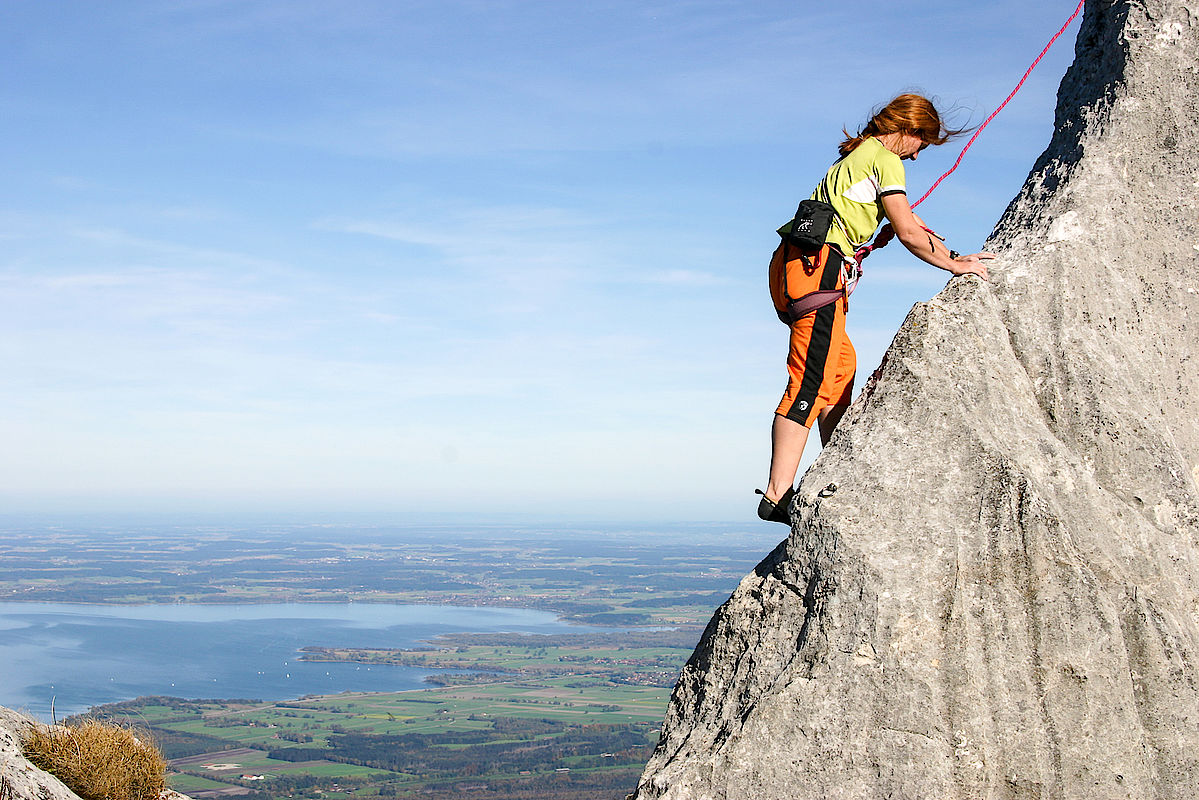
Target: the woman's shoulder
pixel 869 156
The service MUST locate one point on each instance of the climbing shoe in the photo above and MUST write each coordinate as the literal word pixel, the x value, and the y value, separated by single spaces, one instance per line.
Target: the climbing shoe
pixel 776 512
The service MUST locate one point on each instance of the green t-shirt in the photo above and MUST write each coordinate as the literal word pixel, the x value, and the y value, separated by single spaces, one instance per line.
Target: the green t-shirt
pixel 855 186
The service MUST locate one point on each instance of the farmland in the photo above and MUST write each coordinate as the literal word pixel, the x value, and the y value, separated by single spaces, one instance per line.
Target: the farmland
pixel 559 737
pixel 620 576
pixel 510 715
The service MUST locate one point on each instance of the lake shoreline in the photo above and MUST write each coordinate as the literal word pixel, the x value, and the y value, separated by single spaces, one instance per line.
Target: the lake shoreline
pixel 108 653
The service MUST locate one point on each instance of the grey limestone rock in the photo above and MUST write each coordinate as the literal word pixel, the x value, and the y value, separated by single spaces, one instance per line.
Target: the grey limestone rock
pixel 1001 598
pixel 21 780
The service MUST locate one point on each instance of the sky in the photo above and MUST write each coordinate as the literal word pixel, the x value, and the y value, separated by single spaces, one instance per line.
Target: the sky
pixel 455 256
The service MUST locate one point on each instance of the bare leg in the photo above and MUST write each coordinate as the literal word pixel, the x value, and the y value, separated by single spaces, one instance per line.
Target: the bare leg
pixel 829 417
pixel 787 440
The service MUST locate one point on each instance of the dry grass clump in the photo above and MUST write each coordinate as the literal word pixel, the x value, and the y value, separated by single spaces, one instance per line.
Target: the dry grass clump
pixel 98 761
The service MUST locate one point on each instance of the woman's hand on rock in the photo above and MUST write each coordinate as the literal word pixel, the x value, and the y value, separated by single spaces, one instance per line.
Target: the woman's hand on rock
pixel 971 265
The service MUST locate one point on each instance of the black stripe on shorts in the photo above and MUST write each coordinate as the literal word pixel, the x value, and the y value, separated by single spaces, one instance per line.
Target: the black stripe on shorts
pixel 818 343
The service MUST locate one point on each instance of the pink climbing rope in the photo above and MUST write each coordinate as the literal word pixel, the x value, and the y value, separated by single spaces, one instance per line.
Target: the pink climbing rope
pixel 1027 72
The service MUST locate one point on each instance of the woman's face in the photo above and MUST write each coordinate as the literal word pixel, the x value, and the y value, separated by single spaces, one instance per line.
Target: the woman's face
pixel 910 146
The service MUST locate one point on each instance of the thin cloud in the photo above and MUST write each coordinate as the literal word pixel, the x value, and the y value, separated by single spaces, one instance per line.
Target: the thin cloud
pixel 518 224
pixel 115 237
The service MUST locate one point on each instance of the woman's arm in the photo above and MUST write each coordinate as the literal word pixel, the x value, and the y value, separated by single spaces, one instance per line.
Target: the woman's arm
pixel 909 229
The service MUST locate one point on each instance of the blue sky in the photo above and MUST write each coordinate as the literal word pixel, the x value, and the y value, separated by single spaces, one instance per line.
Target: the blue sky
pixel 440 256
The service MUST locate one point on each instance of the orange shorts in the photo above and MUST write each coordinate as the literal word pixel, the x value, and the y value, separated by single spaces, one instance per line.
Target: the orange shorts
pixel 821 362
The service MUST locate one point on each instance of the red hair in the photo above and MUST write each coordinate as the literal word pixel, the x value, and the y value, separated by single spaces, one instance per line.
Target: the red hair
pixel 908 113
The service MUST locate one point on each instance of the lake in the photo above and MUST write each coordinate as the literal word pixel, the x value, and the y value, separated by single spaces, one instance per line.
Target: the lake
pixel 77 656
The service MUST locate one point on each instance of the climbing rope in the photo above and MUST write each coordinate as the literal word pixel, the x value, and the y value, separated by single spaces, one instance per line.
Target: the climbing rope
pixel 1027 72
pixel 866 249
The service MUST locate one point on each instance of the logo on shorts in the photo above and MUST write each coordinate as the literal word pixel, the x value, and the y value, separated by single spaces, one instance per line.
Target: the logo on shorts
pixel 803 405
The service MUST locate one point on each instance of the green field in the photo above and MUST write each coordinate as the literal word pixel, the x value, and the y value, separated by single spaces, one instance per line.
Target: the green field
pixel 648 658
pixel 517 716
pixel 549 738
pixel 614 576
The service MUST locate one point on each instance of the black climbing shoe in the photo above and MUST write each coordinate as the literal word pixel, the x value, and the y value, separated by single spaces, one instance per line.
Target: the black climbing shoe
pixel 776 512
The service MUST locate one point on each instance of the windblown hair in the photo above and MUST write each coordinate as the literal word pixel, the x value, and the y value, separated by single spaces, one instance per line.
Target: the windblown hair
pixel 908 113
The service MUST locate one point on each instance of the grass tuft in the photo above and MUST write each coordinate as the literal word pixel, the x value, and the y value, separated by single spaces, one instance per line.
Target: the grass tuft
pixel 98 761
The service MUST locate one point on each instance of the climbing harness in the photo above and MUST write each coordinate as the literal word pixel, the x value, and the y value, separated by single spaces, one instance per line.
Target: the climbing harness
pixel 813 301
pixel 851 273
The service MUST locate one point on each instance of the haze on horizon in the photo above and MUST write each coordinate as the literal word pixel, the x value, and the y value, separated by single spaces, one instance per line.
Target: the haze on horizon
pixel 453 256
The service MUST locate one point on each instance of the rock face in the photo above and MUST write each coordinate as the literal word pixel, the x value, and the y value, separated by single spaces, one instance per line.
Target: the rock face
pixel 1001 598
pixel 21 780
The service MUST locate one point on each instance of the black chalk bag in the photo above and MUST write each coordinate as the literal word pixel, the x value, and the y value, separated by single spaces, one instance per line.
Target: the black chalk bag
pixel 809 230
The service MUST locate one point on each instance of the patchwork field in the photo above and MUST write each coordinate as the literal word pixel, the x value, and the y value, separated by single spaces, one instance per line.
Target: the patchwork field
pixel 512 716
pixel 557 737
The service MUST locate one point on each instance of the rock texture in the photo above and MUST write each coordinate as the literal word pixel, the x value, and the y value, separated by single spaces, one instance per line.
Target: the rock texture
pixel 21 780
pixel 1001 598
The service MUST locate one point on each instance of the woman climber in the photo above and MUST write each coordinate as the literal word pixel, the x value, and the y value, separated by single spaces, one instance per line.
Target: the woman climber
pixel 813 270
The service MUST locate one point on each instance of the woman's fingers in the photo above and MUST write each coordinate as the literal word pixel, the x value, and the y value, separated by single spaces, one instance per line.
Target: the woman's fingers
pixel 970 265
